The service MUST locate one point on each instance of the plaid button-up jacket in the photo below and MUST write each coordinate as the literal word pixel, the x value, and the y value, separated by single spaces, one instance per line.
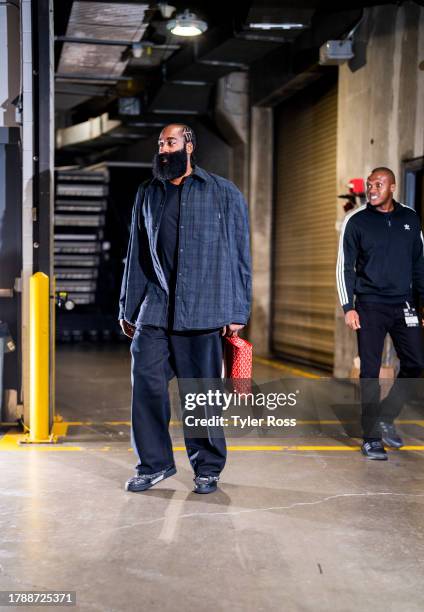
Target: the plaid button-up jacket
pixel 213 285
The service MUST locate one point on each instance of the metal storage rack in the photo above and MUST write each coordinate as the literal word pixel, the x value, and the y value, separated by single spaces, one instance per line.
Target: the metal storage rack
pixel 80 208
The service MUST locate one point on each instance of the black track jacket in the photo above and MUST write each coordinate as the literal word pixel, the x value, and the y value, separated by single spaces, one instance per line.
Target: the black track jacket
pixel 380 256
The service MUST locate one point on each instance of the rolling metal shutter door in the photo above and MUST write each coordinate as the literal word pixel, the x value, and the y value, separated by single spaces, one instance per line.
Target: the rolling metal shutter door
pixel 305 240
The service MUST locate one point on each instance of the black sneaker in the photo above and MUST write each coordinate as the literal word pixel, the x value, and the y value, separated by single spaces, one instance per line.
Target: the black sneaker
pixel 205 484
pixel 390 436
pixel 141 482
pixel 374 450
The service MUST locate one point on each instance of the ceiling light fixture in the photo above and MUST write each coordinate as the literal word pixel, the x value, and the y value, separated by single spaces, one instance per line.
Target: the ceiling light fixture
pixel 277 26
pixel 187 24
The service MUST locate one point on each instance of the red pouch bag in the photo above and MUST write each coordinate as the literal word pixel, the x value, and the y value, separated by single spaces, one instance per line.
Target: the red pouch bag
pixel 238 355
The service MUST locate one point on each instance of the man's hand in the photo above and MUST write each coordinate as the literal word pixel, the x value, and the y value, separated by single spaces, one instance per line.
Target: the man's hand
pixel 352 319
pixel 231 330
pixel 127 328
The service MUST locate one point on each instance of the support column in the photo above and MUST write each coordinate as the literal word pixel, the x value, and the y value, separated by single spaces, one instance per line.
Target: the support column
pixel 43 70
pixel 27 193
pixel 38 165
pixel 261 198
pixel 43 241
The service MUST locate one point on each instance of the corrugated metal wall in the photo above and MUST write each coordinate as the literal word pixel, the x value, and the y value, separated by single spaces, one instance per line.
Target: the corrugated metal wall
pixel 305 240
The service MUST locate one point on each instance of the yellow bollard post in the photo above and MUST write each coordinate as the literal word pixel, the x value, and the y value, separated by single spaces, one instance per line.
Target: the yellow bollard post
pixel 39 360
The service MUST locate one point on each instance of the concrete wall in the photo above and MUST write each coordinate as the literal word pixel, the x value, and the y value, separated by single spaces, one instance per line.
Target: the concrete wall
pixel 232 118
pixel 380 113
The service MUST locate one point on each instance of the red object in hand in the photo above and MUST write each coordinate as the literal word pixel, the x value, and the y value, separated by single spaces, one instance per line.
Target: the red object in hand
pixel 238 355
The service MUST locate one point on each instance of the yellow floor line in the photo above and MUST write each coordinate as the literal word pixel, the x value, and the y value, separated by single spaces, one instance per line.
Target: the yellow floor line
pixel 75 423
pixel 280 366
pixel 242 448
pixel 410 422
pixel 64 425
pixel 301 448
pixel 116 423
pixel 327 422
pixel 12 445
pixel 55 448
pixel 284 448
pixel 10 442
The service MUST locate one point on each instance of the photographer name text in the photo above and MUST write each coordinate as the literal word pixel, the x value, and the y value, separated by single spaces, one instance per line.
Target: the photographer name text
pixel 238 421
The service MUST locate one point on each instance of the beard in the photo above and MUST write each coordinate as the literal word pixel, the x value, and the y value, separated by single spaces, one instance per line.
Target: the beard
pixel 168 166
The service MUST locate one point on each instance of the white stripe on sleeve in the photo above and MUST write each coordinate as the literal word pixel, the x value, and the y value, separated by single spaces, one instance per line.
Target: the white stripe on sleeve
pixel 341 282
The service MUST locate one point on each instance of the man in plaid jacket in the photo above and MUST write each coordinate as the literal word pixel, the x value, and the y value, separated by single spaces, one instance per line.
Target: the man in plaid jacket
pixel 186 282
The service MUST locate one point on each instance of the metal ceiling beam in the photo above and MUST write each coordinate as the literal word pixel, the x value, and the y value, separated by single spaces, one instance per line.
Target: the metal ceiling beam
pixel 173 111
pixel 94 77
pixel 86 131
pixel 145 124
pixel 120 43
pixel 238 65
pixel 182 82
pixel 127 164
pixel 261 38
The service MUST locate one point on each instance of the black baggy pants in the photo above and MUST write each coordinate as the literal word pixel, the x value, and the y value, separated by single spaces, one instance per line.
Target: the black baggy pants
pixel 378 320
pixel 157 356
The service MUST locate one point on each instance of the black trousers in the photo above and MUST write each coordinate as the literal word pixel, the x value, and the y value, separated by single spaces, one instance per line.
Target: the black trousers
pixel 378 320
pixel 157 356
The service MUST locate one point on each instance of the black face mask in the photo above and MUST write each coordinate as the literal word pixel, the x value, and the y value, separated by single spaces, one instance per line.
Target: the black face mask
pixel 168 166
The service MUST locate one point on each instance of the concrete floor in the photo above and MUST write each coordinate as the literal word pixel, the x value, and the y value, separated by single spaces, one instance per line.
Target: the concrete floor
pixel 288 530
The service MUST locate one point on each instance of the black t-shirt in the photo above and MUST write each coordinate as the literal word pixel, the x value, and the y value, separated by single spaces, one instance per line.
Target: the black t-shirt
pixel 167 245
